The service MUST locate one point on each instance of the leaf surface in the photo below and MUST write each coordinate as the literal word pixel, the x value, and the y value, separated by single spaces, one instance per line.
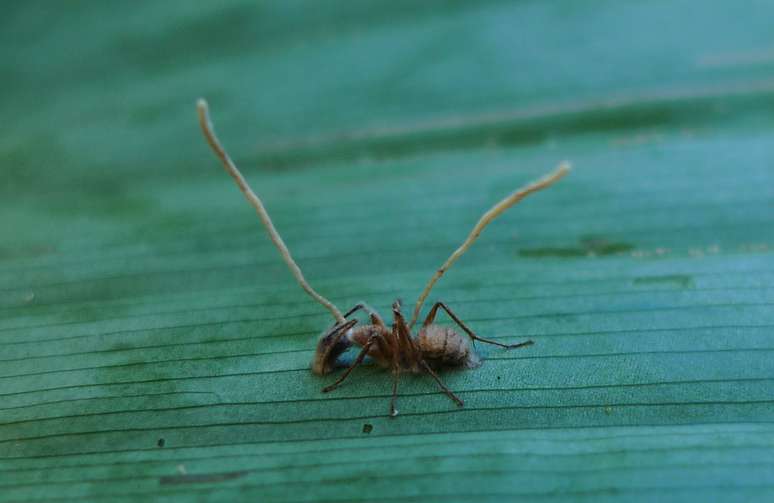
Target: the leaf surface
pixel 152 343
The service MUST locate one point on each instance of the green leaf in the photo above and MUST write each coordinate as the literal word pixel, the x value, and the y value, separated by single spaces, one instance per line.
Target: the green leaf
pixel 153 345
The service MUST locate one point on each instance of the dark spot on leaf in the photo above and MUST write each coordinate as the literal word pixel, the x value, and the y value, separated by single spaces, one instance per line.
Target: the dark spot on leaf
pixel 29 251
pixel 601 246
pixel 683 280
pixel 588 246
pixel 552 252
pixel 202 478
pixel 161 442
pixel 368 428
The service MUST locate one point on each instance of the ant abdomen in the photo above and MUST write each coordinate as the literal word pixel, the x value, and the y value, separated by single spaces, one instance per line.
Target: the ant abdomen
pixel 444 347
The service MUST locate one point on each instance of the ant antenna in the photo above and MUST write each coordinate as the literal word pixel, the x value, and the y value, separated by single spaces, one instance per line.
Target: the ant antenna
pixel 485 219
pixel 255 201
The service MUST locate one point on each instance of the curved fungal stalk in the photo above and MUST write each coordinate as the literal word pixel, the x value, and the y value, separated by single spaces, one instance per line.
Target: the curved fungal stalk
pixel 255 201
pixel 485 220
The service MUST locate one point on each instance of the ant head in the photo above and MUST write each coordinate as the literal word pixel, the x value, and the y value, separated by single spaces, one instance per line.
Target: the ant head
pixel 396 305
pixel 331 345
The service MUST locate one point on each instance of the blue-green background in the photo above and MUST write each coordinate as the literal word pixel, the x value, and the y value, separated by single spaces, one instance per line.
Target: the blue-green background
pixel 153 345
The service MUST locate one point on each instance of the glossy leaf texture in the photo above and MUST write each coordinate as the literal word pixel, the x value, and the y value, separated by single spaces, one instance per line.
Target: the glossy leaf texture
pixel 153 345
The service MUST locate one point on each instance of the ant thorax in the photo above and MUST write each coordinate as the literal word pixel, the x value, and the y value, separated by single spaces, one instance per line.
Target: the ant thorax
pixel 379 351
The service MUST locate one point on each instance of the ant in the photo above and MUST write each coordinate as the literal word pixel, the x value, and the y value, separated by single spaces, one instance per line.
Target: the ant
pixel 434 347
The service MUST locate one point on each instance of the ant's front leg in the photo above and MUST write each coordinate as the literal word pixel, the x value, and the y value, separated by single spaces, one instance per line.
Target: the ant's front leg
pixel 363 353
pixel 375 318
pixel 431 318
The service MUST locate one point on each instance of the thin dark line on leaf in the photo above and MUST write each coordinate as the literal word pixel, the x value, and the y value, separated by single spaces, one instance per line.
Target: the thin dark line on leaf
pixel 372 294
pixel 188 344
pixel 295 441
pixel 213 405
pixel 114 397
pixel 514 318
pixel 279 371
pixel 393 291
pixel 337 447
pixel 371 396
pixel 462 411
pixel 215 376
pixel 631 291
pixel 457 302
pixel 173 327
pixel 405 454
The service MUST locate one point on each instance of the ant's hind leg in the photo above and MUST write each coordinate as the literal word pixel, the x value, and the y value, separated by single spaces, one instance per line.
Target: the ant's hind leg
pixel 446 390
pixel 375 318
pixel 355 364
pixel 431 317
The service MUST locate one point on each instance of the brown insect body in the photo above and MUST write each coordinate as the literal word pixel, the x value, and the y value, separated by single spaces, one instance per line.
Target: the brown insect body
pixel 434 346
pixel 439 346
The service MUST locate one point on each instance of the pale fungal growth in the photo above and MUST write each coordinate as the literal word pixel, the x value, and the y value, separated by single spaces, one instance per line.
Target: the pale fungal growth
pixel 496 210
pixel 255 201
pixel 434 346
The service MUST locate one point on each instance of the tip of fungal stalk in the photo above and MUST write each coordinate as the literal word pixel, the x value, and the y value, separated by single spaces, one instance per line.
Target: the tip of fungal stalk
pixel 201 104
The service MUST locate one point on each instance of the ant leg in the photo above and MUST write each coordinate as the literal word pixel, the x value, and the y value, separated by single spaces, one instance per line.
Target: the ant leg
pixel 352 367
pixel 337 331
pixel 402 335
pixel 395 371
pixel 431 317
pixel 375 318
pixel 446 390
pixel 395 377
